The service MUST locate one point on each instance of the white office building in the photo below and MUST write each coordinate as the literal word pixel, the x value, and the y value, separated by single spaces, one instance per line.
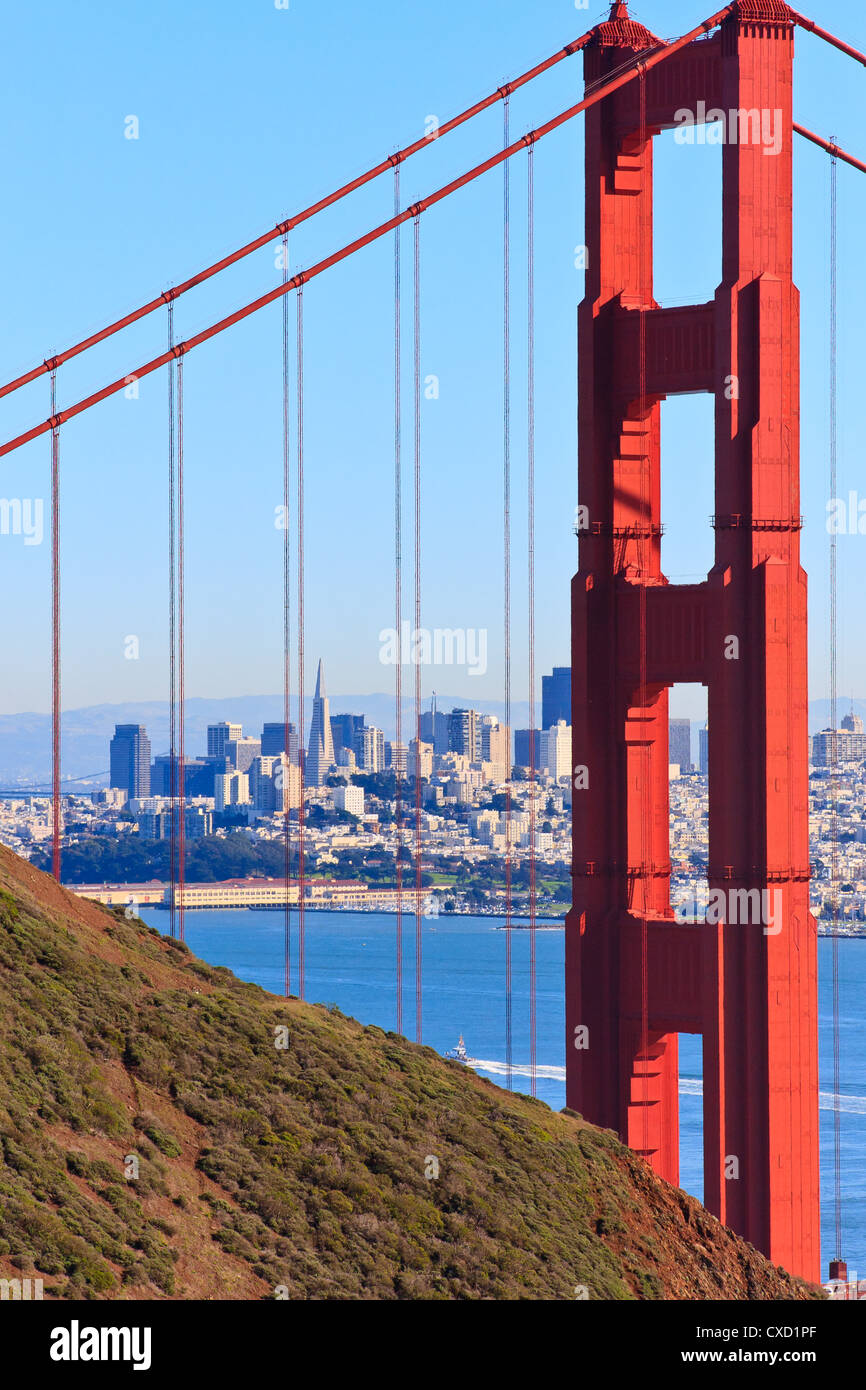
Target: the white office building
pixel 349 798
pixel 556 750
pixel 231 789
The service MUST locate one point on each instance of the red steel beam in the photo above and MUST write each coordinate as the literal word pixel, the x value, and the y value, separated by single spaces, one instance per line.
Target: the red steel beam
pixel 283 227
pixel 657 56
pixel 835 150
pixel 813 28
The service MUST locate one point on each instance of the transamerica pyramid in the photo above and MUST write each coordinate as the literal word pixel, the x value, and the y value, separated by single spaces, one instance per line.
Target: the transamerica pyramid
pixel 320 754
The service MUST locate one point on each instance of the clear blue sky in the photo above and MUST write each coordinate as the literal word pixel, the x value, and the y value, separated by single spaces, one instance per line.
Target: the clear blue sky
pixel 248 113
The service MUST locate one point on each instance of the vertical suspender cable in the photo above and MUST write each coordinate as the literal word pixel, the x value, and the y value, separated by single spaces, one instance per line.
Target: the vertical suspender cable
pixel 55 634
pixel 644 545
pixel 834 737
pixel 418 932
pixel 286 765
pixel 181 661
pixel 301 635
pixel 398 598
pixel 506 512
pixel 530 396
pixel 172 635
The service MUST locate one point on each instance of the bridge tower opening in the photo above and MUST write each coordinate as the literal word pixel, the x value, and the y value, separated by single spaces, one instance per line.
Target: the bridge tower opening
pixel 746 978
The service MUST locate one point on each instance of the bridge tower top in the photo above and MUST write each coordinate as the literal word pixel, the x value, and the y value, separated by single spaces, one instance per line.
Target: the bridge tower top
pixel 619 30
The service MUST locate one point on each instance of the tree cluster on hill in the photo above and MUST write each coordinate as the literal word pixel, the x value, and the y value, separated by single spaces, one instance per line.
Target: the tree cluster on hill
pixel 130 859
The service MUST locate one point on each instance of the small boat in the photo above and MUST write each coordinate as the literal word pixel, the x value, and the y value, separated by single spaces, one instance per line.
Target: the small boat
pixel 458 1053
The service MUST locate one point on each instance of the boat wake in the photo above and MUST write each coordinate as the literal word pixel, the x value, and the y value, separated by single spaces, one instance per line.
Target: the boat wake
pixel 847 1105
pixel 689 1085
pixel 518 1069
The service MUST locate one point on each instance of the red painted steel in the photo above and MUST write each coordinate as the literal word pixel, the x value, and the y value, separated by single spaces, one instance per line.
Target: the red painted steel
pixel 181 663
pixel 832 149
pixel 530 555
pixel 56 818
pixel 419 944
pixel 283 228
pixel 302 634
pixel 506 597
pixel 813 28
pixel 287 609
pixel 305 276
pixel 751 988
pixel 398 601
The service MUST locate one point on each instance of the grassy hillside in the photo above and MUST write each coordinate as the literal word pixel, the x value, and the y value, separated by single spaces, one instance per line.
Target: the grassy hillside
pixel 311 1167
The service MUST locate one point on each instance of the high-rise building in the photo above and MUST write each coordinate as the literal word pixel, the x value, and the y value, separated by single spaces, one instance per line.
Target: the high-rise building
pixel 704 749
pixel 680 744
pixel 345 729
pixel 197 822
pixel 231 789
pixel 320 753
pixel 219 763
pixel 370 749
pixel 241 752
pixel 274 740
pixel 263 784
pixel 556 750
pixel 556 697
pixel 853 723
pixel 396 755
pixel 496 746
pixel 130 760
pixel 524 739
pixel 198 776
pixel 420 760
pixel 850 746
pixel 288 792
pixel 434 729
pixel 219 735
pixel 464 734
pixel 154 825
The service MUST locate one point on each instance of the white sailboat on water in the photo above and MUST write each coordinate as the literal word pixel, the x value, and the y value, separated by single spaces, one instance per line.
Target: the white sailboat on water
pixel 458 1053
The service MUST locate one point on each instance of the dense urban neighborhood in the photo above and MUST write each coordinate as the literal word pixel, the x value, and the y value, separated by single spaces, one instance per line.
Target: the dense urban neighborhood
pixel 471 804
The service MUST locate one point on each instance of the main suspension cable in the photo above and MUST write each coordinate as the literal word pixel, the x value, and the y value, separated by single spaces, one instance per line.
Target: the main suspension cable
pixel 831 148
pixel 282 228
pixel 824 34
pixel 304 277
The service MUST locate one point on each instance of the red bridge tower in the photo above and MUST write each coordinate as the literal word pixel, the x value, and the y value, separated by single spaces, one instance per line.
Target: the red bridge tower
pixel 747 981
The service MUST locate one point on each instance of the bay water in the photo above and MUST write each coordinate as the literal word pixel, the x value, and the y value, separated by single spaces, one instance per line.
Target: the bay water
pixel 350 962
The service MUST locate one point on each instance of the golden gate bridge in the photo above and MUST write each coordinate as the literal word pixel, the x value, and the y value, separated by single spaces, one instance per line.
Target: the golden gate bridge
pixel 634 977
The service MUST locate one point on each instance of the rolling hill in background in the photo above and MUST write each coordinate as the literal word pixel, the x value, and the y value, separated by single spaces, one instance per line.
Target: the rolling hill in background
pixel 25 739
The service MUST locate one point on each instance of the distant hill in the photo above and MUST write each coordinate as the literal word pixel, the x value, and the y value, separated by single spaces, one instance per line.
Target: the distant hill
pixel 350 1164
pixel 819 712
pixel 25 739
